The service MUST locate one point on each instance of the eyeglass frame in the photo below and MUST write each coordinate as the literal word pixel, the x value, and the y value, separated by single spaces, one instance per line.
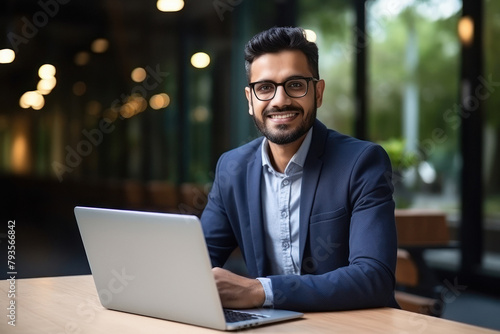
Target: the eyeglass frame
pixel 308 79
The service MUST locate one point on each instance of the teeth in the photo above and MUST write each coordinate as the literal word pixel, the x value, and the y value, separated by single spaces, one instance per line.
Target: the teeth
pixel 282 116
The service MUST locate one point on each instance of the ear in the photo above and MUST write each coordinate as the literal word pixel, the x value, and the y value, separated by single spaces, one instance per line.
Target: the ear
pixel 248 93
pixel 320 88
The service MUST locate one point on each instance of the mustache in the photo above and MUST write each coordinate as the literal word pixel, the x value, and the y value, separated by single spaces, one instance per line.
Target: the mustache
pixel 267 111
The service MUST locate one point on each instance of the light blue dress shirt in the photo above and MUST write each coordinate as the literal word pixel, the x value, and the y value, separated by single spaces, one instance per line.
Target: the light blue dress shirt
pixel 281 212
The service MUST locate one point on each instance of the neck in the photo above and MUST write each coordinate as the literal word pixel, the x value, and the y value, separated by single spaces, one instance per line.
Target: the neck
pixel 280 155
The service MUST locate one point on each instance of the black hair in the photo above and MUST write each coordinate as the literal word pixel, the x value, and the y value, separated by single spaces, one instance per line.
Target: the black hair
pixel 279 39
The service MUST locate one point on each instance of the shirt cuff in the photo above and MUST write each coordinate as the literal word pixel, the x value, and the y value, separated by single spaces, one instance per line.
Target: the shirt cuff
pixel 268 290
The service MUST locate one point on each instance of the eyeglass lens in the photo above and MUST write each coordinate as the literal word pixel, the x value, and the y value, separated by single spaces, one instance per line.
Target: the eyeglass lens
pixel 293 87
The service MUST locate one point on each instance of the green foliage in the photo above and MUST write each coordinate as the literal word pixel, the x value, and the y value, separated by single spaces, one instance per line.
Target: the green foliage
pixel 400 158
pixel 333 23
pixel 387 38
pixel 492 65
pixel 436 77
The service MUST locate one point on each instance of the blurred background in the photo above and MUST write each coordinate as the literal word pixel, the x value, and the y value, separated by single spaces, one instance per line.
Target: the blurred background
pixel 128 104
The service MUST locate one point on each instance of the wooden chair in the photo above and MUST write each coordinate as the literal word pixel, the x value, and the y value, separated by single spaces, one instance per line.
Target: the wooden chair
pixel 407 275
pixel 421 228
pixel 415 285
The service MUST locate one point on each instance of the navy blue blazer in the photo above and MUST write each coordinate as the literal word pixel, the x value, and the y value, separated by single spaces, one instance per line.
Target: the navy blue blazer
pixel 347 239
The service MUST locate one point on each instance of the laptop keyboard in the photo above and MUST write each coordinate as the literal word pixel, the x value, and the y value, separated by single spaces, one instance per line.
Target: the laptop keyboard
pixel 235 316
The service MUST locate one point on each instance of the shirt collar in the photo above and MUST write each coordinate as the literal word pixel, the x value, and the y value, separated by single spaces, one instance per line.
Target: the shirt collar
pixel 298 158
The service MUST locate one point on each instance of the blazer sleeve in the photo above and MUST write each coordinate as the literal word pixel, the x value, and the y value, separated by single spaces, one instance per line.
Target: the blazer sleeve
pixel 368 280
pixel 217 229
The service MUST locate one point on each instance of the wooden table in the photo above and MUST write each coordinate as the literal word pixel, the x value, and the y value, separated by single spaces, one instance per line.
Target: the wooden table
pixel 69 305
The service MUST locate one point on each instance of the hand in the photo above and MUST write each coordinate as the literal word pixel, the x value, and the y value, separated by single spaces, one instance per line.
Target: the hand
pixel 237 291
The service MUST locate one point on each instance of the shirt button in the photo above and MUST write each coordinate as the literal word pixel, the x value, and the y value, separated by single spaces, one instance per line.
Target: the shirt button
pixel 285 245
pixel 286 182
pixel 283 214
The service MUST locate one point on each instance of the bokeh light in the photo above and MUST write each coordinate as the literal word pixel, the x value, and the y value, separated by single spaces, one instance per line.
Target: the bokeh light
pixel 7 56
pixel 159 101
pixel 47 71
pixel 138 74
pixel 311 35
pixel 200 60
pixel 99 45
pixel 170 5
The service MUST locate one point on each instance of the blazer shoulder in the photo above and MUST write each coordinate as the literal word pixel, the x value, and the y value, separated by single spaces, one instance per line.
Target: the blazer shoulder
pixel 341 147
pixel 338 141
pixel 244 153
pixel 331 144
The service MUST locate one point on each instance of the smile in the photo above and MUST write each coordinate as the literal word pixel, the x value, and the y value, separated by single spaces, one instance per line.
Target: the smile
pixel 282 116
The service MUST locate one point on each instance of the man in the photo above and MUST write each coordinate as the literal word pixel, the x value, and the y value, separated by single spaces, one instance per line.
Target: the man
pixel 310 209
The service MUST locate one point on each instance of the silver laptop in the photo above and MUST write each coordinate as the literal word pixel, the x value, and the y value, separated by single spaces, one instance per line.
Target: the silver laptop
pixel 157 265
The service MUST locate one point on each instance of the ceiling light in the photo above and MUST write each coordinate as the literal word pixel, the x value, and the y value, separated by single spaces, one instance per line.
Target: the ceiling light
pixel 7 56
pixel 200 60
pixel 159 101
pixel 47 84
pixel 32 99
pixel 100 45
pixel 138 74
pixel 170 5
pixel 82 58
pixel 46 71
pixel 310 35
pixel 466 30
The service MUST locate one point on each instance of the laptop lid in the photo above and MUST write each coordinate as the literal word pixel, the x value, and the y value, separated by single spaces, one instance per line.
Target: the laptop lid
pixel 156 264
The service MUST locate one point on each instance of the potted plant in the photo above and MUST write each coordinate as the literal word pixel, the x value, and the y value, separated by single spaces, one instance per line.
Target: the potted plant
pixel 402 162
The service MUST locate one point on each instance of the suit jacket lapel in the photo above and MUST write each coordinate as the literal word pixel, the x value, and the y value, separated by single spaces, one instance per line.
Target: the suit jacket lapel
pixel 254 174
pixel 310 179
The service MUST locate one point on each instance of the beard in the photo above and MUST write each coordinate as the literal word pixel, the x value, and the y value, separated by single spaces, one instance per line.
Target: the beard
pixel 284 133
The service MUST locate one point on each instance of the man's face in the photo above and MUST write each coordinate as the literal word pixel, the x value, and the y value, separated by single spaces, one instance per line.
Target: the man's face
pixel 284 119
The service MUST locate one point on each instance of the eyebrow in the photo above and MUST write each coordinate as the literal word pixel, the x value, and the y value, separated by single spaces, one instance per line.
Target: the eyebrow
pixel 297 76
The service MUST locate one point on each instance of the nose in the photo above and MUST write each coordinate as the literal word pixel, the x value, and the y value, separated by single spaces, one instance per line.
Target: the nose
pixel 281 98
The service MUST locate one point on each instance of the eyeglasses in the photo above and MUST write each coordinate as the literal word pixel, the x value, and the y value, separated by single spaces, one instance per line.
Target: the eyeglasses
pixel 295 87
